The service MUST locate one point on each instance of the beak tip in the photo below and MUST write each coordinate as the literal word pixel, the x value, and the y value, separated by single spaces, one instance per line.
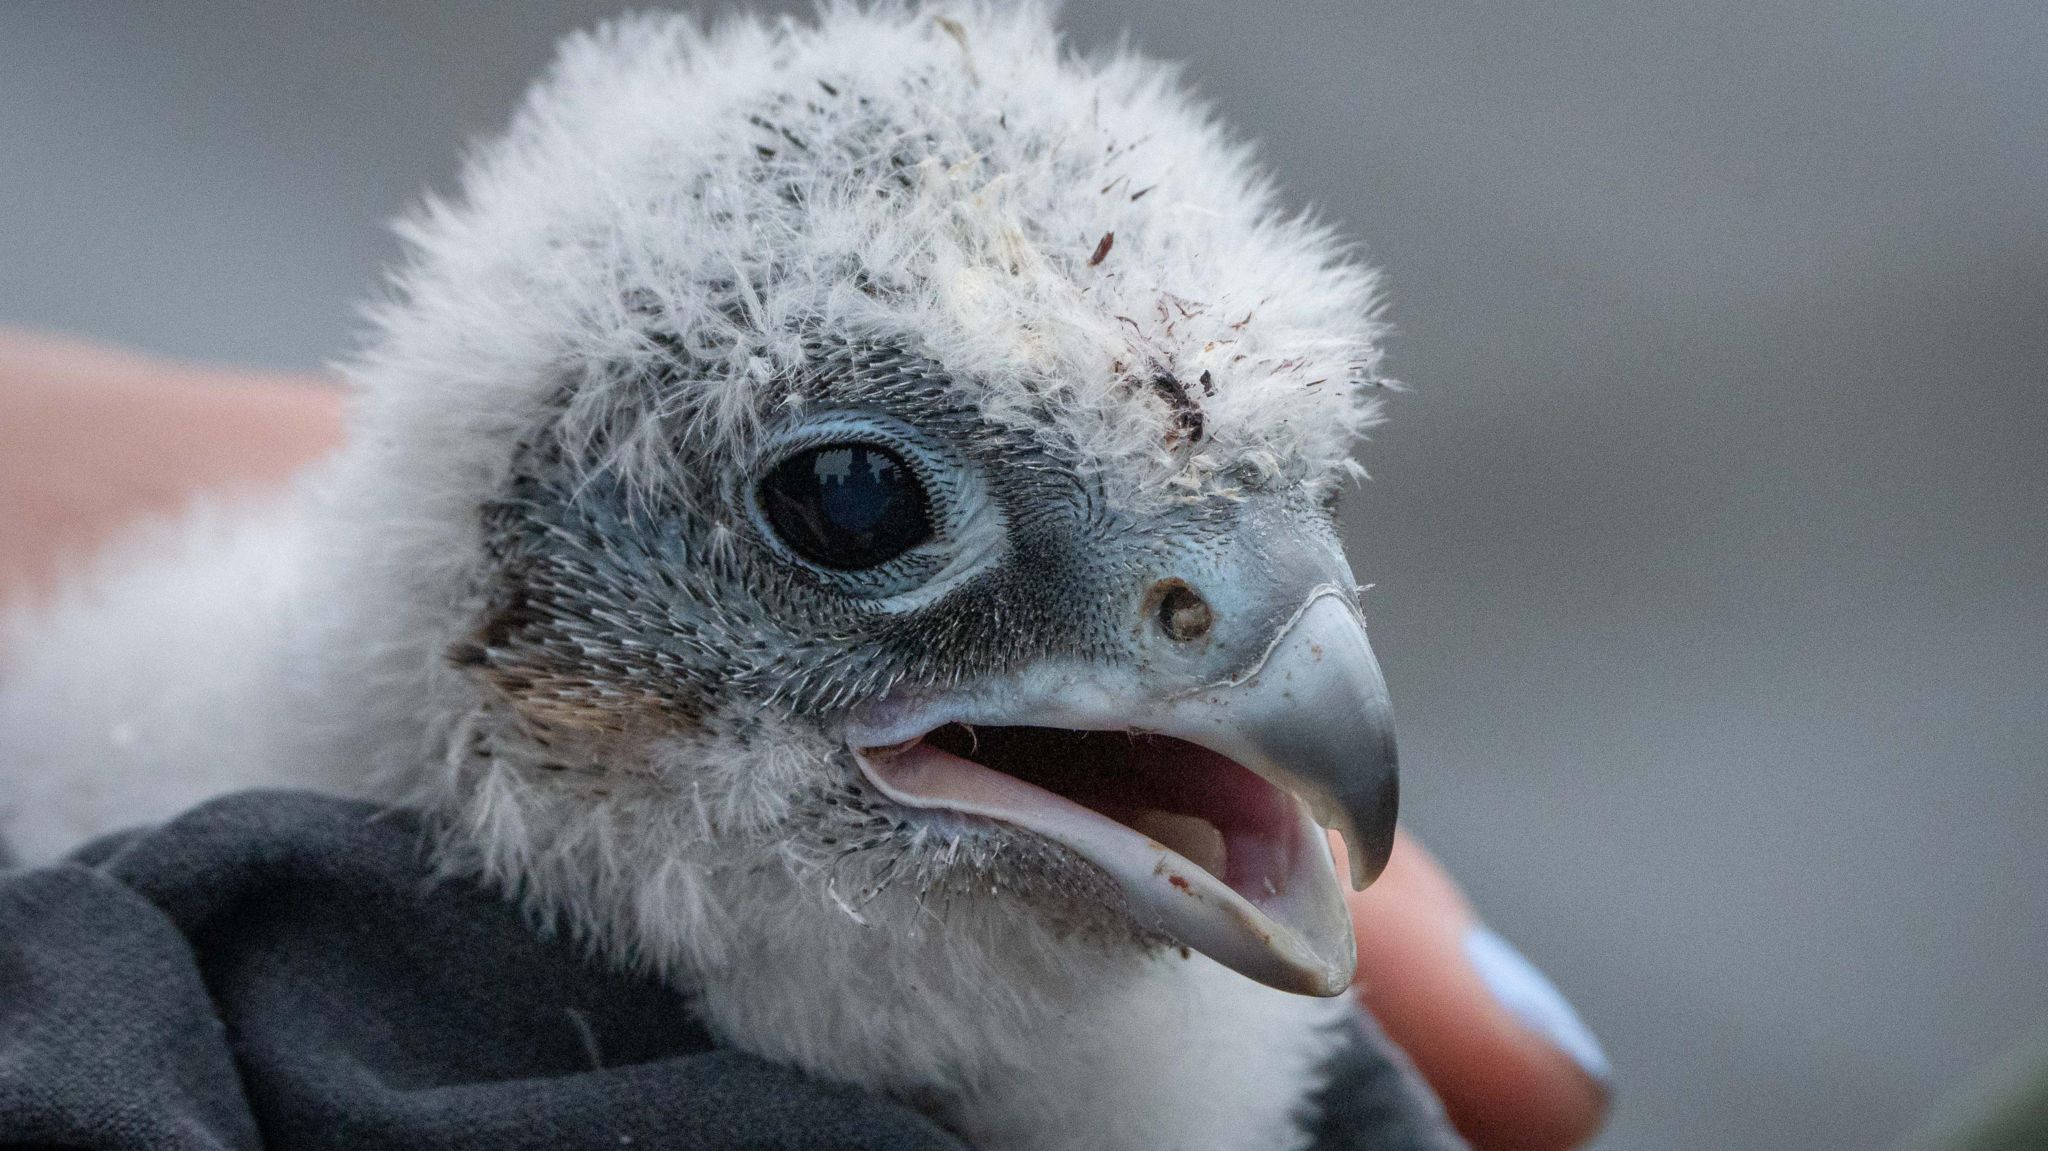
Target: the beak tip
pixel 1331 986
pixel 1372 845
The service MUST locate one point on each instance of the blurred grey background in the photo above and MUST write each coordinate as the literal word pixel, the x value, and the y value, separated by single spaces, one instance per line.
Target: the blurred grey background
pixel 1710 544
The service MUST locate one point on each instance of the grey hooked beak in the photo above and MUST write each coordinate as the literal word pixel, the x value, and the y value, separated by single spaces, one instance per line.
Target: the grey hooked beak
pixel 1313 716
pixel 1254 890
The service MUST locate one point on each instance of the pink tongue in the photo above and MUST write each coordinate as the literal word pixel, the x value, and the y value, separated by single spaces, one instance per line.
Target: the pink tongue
pixel 1255 818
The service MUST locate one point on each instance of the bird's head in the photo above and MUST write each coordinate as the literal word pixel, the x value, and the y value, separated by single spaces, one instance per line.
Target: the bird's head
pixel 902 454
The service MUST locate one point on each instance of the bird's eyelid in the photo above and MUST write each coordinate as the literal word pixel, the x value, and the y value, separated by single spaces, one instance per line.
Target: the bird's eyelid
pixel 826 427
pixel 934 467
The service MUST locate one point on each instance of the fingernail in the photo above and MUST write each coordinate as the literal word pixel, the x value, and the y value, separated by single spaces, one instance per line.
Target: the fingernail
pixel 1536 1002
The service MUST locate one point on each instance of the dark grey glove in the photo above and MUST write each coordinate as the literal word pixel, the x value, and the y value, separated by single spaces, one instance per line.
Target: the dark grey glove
pixel 281 970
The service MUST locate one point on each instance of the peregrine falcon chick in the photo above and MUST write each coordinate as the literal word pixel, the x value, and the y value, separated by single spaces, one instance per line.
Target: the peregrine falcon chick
pixel 837 513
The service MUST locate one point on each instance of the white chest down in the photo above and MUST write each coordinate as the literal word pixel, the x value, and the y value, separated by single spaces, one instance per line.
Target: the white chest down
pixel 1159 1053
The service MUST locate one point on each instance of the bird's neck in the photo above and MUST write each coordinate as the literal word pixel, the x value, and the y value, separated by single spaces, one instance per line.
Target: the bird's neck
pixel 1012 1035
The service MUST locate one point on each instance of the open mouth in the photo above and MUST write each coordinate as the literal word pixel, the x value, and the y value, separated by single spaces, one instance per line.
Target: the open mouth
pixel 1203 793
pixel 1207 808
pixel 1211 853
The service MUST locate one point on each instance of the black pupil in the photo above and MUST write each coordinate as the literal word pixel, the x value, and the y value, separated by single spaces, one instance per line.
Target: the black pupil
pixel 846 506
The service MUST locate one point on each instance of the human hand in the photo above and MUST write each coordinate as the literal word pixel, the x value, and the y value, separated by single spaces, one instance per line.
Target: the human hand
pixel 1512 1062
pixel 92 439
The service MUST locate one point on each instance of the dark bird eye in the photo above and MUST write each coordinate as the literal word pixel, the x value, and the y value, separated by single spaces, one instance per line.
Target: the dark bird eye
pixel 846 506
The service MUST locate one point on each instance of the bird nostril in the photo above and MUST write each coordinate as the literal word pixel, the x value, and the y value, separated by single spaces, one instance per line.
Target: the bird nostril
pixel 1182 612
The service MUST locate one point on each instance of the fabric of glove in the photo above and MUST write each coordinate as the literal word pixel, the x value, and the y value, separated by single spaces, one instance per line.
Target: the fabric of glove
pixel 285 970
